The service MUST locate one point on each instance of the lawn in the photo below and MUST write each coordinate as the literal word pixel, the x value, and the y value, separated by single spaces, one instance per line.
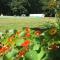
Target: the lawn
pixel 19 22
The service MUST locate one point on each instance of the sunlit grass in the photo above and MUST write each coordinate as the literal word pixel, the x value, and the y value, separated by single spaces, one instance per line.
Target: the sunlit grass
pixel 19 22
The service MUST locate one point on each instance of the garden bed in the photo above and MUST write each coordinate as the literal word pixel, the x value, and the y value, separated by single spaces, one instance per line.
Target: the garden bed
pixel 41 42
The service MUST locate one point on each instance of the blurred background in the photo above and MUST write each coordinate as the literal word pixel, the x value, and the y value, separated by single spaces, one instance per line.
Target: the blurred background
pixel 18 7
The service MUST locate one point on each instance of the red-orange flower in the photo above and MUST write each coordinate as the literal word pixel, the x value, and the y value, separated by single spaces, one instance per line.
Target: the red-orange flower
pixel 27 35
pixel 27 29
pixel 26 49
pixel 3 49
pixel 10 39
pixel 26 43
pixel 37 33
pixel 18 32
pixel 21 53
pixel 12 36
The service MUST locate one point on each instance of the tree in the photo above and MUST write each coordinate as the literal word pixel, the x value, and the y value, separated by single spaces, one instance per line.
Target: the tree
pixel 35 6
pixel 4 7
pixel 49 7
pixel 26 6
pixel 58 9
pixel 18 7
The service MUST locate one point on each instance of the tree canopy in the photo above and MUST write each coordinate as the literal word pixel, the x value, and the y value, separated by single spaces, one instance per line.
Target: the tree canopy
pixel 18 7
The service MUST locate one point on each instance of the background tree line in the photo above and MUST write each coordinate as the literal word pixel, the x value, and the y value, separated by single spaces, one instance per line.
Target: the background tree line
pixel 18 7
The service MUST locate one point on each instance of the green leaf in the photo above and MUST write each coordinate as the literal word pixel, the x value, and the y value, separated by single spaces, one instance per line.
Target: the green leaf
pixel 19 42
pixel 1 57
pixel 11 54
pixel 31 55
pixel 37 40
pixel 22 33
pixel 36 46
pixel 41 54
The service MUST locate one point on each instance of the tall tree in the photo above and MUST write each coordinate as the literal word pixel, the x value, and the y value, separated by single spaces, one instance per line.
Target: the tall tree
pixel 4 8
pixel 19 7
pixel 49 7
pixel 26 6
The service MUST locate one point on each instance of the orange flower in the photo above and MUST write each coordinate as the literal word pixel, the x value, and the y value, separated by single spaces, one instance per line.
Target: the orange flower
pixel 4 49
pixel 10 39
pixel 26 43
pixel 53 31
pixel 18 32
pixel 21 53
pixel 27 35
pixel 26 49
pixel 12 36
pixel 37 33
pixel 27 29
pixel 1 51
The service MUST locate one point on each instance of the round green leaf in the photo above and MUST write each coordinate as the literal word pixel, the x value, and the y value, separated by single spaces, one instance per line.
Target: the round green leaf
pixel 19 42
pixel 31 55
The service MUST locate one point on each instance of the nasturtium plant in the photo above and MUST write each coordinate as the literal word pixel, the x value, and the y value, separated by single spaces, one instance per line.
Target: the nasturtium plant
pixel 31 44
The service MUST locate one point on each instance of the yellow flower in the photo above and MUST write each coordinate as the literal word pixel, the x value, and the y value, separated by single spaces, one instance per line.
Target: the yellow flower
pixel 52 31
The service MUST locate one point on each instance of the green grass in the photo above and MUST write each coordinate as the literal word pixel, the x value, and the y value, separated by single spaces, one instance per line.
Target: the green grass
pixel 19 22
